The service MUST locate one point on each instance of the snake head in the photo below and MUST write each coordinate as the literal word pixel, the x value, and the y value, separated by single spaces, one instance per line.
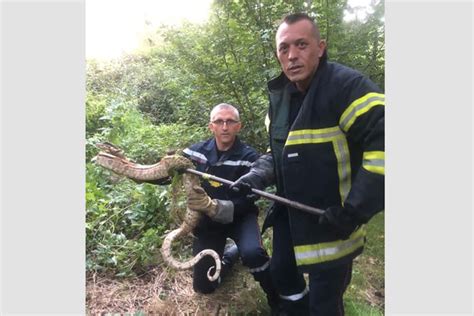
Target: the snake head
pixel 110 149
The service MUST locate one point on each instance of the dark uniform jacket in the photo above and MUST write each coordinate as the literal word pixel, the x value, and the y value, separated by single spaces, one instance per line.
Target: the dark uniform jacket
pixel 232 164
pixel 332 154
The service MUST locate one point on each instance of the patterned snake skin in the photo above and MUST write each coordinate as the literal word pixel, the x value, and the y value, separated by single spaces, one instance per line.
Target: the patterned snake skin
pixel 112 158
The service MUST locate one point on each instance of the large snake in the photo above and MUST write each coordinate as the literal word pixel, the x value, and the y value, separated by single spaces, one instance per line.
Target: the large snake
pixel 112 158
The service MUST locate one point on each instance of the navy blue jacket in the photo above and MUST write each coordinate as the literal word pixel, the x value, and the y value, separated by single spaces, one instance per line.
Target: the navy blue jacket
pixel 332 154
pixel 232 164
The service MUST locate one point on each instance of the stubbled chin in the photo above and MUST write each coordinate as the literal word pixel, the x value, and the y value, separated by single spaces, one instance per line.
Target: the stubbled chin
pixel 295 76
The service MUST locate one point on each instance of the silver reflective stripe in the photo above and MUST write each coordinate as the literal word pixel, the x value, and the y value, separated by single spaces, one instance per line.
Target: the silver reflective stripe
pixel 295 297
pixel 267 123
pixel 195 154
pixel 261 268
pixel 234 163
pixel 375 162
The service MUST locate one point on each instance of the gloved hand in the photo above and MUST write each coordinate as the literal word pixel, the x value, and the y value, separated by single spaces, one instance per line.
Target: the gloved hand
pixel 343 219
pixel 221 211
pixel 243 186
pixel 259 177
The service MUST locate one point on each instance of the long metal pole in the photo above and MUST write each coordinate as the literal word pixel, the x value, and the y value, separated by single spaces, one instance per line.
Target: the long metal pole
pixel 272 197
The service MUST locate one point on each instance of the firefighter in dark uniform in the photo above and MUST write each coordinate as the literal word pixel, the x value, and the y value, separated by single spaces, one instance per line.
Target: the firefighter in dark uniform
pixel 232 216
pixel 326 127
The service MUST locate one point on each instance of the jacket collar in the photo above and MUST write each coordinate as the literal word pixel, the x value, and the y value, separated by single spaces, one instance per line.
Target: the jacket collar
pixel 211 150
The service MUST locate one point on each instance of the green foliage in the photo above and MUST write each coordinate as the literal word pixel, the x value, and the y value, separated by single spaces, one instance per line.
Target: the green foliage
pixel 361 45
pixel 125 126
pixel 229 59
pixel 124 222
pixel 139 79
pixel 95 110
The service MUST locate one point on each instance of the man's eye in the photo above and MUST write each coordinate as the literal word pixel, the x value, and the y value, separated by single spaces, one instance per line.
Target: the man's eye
pixel 302 45
pixel 283 49
pixel 227 122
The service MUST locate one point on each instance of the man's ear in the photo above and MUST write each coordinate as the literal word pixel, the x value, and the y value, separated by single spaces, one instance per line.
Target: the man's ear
pixel 322 47
pixel 239 127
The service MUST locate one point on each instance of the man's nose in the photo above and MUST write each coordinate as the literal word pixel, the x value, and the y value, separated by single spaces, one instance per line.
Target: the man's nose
pixel 292 53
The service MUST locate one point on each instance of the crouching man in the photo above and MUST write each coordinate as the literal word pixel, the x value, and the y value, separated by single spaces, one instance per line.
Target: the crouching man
pixel 225 215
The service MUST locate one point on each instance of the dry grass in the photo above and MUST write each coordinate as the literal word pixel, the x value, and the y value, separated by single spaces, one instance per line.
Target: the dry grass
pixel 163 291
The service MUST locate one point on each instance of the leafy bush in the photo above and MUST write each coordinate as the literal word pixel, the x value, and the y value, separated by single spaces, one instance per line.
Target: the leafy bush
pixel 95 110
pixel 125 221
pixel 128 128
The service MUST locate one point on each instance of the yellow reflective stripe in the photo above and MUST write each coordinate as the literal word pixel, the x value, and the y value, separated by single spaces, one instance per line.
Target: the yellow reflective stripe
pixel 312 136
pixel 374 161
pixel 359 107
pixel 328 251
pixel 341 150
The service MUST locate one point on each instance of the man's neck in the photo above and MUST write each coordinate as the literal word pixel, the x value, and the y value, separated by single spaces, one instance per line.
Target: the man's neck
pixel 301 87
pixel 223 147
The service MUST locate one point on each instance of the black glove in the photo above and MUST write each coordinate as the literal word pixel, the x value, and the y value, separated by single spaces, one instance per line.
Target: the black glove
pixel 243 186
pixel 343 219
pixel 259 177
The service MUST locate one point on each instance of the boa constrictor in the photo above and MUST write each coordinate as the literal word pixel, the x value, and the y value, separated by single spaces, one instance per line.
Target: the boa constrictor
pixel 112 158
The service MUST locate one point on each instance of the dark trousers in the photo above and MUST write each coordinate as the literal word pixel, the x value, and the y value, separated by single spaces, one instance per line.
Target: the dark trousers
pixel 246 234
pixel 326 288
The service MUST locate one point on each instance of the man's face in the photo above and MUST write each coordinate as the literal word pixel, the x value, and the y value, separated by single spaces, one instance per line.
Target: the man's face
pixel 298 51
pixel 225 126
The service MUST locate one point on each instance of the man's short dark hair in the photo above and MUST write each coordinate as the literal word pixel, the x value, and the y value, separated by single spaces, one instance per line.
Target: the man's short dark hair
pixel 299 16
